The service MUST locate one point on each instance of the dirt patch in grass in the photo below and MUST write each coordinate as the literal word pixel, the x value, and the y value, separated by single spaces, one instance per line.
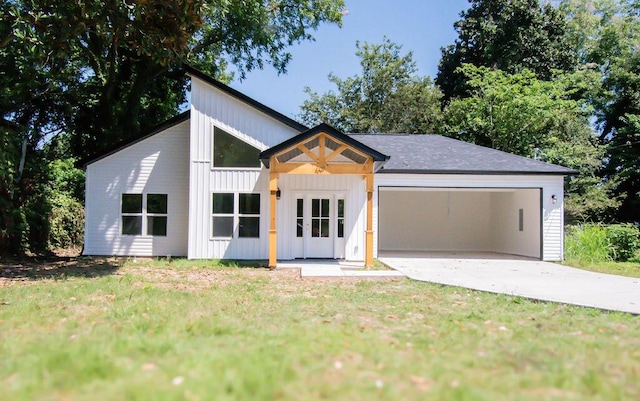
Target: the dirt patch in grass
pixel 201 278
pixel 60 264
pixel 67 264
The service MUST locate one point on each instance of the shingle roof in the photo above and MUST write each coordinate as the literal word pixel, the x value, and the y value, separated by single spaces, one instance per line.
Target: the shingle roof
pixel 182 117
pixel 436 154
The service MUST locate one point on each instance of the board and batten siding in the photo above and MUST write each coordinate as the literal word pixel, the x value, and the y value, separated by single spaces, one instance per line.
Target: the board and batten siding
pixel 350 187
pixel 552 214
pixel 157 165
pixel 212 107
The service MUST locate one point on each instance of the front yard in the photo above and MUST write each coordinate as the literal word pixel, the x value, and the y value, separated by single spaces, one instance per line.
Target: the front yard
pixel 101 329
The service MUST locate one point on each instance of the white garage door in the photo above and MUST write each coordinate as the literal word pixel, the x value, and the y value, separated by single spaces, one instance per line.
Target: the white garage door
pixel 454 219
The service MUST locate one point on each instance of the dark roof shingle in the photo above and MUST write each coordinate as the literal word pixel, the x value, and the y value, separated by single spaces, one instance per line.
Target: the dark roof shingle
pixel 436 154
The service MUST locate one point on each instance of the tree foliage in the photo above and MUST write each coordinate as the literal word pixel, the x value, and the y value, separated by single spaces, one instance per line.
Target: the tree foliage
pixel 521 114
pixel 607 34
pixel 101 71
pixel 509 35
pixel 125 56
pixel 515 113
pixel 65 193
pixel 388 96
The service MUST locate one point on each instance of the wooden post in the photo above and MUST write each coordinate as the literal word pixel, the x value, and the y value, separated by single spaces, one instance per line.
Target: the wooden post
pixel 273 233
pixel 368 258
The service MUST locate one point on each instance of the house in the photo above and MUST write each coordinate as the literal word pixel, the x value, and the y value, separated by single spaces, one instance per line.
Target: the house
pixel 233 179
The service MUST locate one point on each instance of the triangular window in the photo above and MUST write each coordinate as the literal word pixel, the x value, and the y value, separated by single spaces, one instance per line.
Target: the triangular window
pixel 229 151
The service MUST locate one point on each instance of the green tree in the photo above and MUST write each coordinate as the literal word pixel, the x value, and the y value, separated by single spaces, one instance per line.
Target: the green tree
pixel 515 113
pixel 65 189
pixel 127 55
pixel 522 114
pixel 102 71
pixel 510 35
pixel 388 96
pixel 607 34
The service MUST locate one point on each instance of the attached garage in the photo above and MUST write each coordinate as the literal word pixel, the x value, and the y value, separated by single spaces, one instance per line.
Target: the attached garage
pixel 504 220
pixel 440 194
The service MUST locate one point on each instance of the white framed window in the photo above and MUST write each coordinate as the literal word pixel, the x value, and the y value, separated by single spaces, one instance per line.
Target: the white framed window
pixel 131 209
pixel 156 214
pixel 235 215
pixel 144 213
pixel 249 215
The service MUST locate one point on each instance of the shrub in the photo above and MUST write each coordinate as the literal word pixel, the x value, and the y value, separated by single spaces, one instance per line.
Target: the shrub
pixel 593 243
pixel 66 221
pixel 587 243
pixel 624 240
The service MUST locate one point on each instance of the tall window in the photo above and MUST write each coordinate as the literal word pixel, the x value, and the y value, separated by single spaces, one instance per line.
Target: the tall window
pixel 157 214
pixel 133 213
pixel 235 210
pixel 299 217
pixel 222 215
pixel 229 151
pixel 249 216
pixel 340 218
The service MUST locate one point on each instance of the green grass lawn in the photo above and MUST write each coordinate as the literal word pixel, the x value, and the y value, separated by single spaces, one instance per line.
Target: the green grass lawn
pixel 629 269
pixel 181 331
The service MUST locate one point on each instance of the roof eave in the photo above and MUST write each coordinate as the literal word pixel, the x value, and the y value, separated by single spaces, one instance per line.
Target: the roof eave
pixel 477 172
pixel 180 118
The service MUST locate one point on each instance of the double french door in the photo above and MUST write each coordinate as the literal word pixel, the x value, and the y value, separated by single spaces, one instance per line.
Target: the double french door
pixel 319 226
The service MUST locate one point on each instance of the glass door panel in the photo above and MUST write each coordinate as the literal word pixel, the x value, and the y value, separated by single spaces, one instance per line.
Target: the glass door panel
pixel 320 212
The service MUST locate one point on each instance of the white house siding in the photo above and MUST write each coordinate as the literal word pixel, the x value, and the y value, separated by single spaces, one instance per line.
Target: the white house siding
pixel 256 181
pixel 212 107
pixel 158 164
pixel 552 214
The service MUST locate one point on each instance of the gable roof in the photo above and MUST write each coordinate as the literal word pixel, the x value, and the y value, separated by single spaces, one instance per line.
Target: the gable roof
pixel 436 154
pixel 265 155
pixel 193 72
pixel 180 118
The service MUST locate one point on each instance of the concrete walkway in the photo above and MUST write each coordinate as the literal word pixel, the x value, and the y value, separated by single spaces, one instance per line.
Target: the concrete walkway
pixel 522 277
pixel 334 268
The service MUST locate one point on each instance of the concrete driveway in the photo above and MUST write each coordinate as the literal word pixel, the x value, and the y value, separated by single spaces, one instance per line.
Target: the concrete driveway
pixel 521 277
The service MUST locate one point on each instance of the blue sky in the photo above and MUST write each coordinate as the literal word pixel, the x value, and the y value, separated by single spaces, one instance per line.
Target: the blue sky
pixel 421 26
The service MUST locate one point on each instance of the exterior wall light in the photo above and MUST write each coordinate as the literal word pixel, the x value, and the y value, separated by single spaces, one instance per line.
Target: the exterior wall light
pixel 554 199
pixel 278 193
